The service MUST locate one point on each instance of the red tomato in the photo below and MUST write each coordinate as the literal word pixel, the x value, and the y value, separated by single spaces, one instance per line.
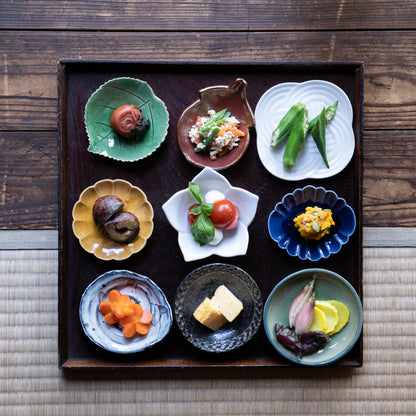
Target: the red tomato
pixel 234 223
pixel 224 214
pixel 191 217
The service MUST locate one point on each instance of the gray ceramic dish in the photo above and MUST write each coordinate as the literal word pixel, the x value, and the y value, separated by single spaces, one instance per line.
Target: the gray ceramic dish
pixel 143 291
pixel 201 283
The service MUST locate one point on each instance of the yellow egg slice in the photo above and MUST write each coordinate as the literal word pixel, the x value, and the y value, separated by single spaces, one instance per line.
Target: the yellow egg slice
pixel 319 322
pixel 343 315
pixel 331 314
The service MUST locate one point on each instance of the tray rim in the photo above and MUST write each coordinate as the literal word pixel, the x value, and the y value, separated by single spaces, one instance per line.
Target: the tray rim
pixel 73 364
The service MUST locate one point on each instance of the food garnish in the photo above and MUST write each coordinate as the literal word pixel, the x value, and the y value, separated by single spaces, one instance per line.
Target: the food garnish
pixel 311 322
pixel 223 307
pixel 209 219
pixel 117 225
pixel 120 309
pixel 295 126
pixel 217 134
pixel 128 121
pixel 314 223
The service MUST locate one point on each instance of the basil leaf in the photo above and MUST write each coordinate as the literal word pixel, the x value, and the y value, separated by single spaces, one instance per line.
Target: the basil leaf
pixel 196 210
pixel 207 209
pixel 195 192
pixel 202 230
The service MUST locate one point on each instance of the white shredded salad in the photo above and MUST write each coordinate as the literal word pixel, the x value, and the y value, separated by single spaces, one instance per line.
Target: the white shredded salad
pixel 227 138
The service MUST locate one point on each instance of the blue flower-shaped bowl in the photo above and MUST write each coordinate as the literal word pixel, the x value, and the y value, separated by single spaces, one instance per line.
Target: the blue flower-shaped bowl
pixel 283 230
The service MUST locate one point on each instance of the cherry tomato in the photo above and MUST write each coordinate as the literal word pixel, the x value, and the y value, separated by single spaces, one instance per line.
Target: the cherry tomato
pixel 224 213
pixel 191 217
pixel 234 223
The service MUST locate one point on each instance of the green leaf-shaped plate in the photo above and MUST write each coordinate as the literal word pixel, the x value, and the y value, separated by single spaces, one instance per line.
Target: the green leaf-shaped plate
pixel 113 94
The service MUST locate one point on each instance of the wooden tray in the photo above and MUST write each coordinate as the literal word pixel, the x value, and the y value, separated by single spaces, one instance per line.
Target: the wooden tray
pixel 165 172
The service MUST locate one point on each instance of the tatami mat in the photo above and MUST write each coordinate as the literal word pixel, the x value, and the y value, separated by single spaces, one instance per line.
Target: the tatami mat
pixel 32 384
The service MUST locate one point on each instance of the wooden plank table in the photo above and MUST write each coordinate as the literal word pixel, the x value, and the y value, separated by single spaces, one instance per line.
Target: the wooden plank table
pixel 36 35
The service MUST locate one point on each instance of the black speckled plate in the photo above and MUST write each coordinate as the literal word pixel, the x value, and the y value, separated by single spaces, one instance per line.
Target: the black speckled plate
pixel 201 283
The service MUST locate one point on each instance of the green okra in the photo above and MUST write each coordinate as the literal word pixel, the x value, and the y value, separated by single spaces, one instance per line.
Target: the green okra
pixel 285 125
pixel 318 134
pixel 296 138
pixel 207 142
pixel 329 115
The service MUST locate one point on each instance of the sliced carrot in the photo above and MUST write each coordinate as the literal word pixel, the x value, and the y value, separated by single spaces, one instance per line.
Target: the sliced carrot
pixel 110 318
pixel 125 298
pixel 142 329
pixel 129 314
pixel 146 317
pixel 114 295
pixel 128 320
pixel 129 330
pixel 105 307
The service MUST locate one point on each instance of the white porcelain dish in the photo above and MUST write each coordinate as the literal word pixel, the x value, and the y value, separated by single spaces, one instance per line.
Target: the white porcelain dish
pixel 340 140
pixel 235 242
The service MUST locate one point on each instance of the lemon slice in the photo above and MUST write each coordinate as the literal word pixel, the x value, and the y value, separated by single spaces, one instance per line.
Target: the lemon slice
pixel 343 315
pixel 331 314
pixel 319 322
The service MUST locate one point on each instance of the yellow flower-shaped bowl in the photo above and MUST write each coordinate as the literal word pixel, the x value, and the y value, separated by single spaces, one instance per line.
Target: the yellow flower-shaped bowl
pixel 92 239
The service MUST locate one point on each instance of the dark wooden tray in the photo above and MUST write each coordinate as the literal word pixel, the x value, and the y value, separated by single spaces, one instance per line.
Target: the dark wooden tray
pixel 165 172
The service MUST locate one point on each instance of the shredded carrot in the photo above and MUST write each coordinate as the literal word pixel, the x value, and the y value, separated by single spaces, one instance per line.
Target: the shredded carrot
pixel 119 308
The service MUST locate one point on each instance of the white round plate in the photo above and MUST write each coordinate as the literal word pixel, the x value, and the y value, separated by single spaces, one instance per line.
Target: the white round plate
pixel 340 140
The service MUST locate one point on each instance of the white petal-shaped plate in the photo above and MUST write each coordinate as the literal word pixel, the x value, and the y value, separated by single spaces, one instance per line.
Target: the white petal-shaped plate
pixel 340 140
pixel 235 241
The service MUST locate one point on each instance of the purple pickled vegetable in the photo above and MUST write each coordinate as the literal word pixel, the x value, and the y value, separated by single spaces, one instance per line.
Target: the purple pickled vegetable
pixel 312 341
pixel 288 339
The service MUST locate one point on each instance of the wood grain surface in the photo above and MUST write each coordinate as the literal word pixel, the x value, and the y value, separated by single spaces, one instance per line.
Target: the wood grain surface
pixel 28 102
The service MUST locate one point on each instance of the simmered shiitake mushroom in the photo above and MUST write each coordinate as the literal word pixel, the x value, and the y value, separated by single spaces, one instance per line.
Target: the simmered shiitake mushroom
pixel 123 227
pixel 105 207
pixel 117 225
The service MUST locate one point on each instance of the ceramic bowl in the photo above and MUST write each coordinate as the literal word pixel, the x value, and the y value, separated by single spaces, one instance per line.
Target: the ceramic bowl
pixel 235 242
pixel 103 140
pixel 340 139
pixel 139 288
pixel 92 239
pixel 328 286
pixel 232 97
pixel 202 283
pixel 283 231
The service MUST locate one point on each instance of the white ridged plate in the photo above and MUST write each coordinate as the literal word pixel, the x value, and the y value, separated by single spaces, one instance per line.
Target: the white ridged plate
pixel 340 140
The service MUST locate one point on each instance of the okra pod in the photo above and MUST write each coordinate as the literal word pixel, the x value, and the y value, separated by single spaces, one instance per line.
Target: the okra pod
pixel 218 119
pixel 207 142
pixel 296 139
pixel 285 125
pixel 329 115
pixel 318 134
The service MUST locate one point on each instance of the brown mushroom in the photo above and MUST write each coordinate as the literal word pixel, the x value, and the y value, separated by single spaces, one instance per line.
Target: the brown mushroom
pixel 105 207
pixel 123 227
